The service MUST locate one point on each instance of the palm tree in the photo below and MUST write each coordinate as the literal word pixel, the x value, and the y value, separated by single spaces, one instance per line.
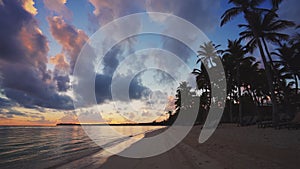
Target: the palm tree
pixel 203 85
pixel 186 101
pixel 207 53
pixel 253 33
pixel 252 15
pixel 246 7
pixel 268 28
pixel 289 60
pixel 232 58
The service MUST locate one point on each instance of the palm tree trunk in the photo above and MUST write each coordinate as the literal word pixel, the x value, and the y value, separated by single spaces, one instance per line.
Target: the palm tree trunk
pixel 270 84
pixel 240 96
pixel 296 83
pixel 267 51
pixel 230 99
pixel 231 108
pixel 271 63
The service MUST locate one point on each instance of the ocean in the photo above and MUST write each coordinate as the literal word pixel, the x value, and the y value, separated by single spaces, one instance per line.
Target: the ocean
pixel 56 147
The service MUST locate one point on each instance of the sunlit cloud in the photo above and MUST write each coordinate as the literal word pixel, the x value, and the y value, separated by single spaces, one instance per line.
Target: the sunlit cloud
pixel 28 5
pixel 61 65
pixel 108 10
pixel 23 64
pixel 59 8
pixel 70 38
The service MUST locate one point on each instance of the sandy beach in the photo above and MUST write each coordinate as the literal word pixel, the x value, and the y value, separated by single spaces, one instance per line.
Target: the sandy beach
pixel 230 147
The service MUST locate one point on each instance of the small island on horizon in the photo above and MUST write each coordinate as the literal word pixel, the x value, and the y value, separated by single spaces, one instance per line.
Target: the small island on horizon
pixel 115 124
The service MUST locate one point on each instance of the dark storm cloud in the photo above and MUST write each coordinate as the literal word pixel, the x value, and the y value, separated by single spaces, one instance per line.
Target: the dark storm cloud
pixel 137 90
pixel 29 101
pixel 23 59
pixel 103 88
pixel 11 114
pixel 110 63
pixel 110 60
pixel 5 103
pixel 63 82
pixel 12 18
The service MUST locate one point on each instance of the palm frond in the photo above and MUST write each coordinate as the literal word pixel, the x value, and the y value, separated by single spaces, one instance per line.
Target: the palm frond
pixel 230 14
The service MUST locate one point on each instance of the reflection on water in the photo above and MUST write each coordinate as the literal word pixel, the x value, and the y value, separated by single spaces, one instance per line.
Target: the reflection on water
pixel 44 147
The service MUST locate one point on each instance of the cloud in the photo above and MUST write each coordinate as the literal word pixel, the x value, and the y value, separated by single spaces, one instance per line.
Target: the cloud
pixel 63 82
pixel 110 60
pixel 61 65
pixel 61 72
pixel 7 113
pixel 71 39
pixel 59 8
pixel 201 13
pixel 69 117
pixel 40 120
pixel 103 89
pixel 108 10
pixel 28 5
pixel 23 59
pixel 171 103
pixel 5 103
pixel 90 116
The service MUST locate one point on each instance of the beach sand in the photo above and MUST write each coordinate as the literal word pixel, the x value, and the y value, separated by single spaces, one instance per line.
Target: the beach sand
pixel 230 147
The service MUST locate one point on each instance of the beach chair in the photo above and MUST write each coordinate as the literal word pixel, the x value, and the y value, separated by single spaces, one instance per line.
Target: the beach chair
pixel 265 124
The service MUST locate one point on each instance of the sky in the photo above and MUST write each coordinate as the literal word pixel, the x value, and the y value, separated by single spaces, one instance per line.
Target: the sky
pixel 41 41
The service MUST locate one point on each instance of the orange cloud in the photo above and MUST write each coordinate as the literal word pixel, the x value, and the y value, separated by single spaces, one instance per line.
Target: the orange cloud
pixel 107 10
pixel 69 118
pixel 68 36
pixel 100 4
pixel 28 5
pixel 171 103
pixel 60 63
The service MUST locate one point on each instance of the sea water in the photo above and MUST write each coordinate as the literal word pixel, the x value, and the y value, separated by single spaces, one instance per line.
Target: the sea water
pixel 53 147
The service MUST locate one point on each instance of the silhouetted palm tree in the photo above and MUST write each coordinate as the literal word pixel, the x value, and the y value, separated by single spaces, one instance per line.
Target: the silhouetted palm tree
pixel 246 7
pixel 232 58
pixel 267 27
pixel 289 59
pixel 207 53
pixel 253 16
pixel 186 101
